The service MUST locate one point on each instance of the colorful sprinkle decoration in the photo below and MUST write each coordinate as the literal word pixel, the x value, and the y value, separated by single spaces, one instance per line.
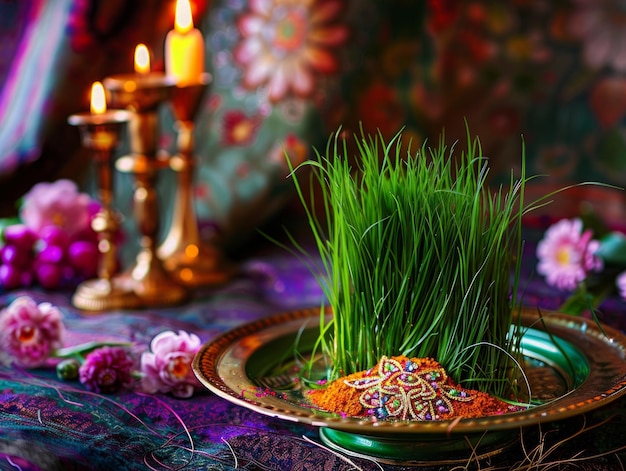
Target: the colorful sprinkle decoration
pixel 402 391
pixel 405 389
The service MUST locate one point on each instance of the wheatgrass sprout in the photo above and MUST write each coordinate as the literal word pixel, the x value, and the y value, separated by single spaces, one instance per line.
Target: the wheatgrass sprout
pixel 420 258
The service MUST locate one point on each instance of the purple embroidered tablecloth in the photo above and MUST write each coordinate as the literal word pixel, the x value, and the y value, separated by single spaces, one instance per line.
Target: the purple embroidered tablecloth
pixel 48 424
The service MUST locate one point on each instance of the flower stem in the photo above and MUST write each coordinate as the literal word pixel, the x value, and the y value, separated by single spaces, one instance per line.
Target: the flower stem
pixel 85 348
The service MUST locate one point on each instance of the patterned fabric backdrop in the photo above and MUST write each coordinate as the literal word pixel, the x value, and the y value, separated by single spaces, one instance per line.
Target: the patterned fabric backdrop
pixel 288 73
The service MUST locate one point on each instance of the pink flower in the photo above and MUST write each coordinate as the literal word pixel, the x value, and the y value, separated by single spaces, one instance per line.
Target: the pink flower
pixel 621 284
pixel 57 204
pixel 29 333
pixel 167 369
pixel 106 370
pixel 288 45
pixel 566 254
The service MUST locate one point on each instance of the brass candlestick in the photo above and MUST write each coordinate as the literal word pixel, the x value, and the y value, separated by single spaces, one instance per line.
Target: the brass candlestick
pixel 143 94
pixel 100 134
pixel 190 260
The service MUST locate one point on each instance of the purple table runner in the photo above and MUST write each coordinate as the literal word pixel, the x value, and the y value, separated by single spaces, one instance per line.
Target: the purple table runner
pixel 48 424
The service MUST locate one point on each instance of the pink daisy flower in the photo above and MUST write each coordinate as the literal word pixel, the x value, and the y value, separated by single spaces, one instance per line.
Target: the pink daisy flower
pixel 30 332
pixel 167 368
pixel 107 370
pixel 566 254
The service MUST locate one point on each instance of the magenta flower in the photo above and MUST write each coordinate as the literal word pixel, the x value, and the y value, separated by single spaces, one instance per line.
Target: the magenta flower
pixel 107 370
pixel 621 284
pixel 57 204
pixel 167 369
pixel 29 333
pixel 566 254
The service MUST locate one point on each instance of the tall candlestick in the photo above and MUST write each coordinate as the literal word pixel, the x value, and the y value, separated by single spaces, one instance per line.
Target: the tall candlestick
pixel 192 262
pixel 144 92
pixel 184 47
pixel 100 131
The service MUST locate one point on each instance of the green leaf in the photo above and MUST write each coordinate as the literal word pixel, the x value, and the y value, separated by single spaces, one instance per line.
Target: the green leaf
pixel 4 222
pixel 83 349
pixel 578 302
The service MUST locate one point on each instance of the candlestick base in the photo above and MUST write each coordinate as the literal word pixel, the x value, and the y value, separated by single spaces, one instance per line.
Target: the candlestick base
pixel 196 264
pixel 152 284
pixel 101 295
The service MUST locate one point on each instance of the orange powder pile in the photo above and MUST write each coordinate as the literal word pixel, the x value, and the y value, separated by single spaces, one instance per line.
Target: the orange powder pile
pixel 399 388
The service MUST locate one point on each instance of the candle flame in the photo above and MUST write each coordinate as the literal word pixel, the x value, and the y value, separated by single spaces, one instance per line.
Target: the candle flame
pixel 98 101
pixel 142 59
pixel 183 22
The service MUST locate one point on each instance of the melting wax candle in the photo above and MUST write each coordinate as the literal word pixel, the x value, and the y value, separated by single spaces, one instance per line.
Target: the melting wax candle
pixel 184 47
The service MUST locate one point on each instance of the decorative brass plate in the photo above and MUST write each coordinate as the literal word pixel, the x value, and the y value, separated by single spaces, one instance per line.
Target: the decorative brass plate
pixel 575 368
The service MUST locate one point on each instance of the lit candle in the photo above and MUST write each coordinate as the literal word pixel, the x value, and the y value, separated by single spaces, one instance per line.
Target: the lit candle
pixel 98 103
pixel 100 126
pixel 184 47
pixel 142 59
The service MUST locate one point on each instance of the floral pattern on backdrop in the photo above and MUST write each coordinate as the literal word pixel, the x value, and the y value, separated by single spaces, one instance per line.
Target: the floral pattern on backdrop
pixel 287 73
